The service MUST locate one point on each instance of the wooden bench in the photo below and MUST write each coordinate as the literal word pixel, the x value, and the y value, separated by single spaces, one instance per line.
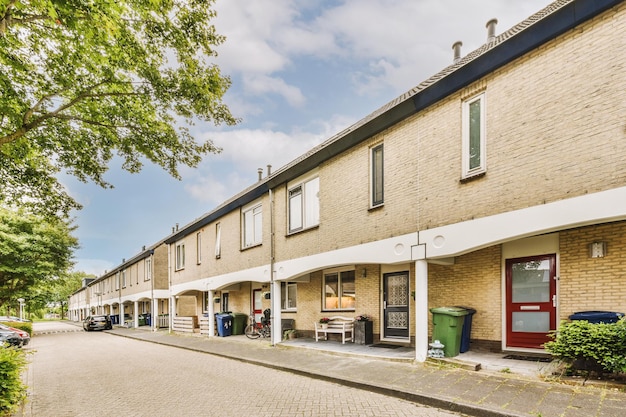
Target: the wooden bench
pixel 339 325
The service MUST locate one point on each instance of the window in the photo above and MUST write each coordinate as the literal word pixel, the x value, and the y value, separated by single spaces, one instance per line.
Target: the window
pixel 288 295
pixel 180 255
pixel 124 278
pixel 218 241
pixel 252 226
pixel 474 155
pixel 148 269
pixel 339 290
pixel 304 205
pixel 117 281
pixel 198 248
pixel 377 176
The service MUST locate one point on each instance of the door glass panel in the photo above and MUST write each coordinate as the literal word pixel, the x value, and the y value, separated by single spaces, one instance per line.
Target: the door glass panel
pixel 531 322
pixel 531 281
pixel 397 291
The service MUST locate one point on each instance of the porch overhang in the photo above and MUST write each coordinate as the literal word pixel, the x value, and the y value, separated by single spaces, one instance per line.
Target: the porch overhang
pixel 460 238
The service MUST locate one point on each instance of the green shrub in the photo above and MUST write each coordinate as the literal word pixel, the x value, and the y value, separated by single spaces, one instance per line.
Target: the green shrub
pixel 22 325
pixel 581 343
pixel 12 390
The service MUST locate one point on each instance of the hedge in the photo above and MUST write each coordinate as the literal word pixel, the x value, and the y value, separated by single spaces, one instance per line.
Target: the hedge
pixel 12 389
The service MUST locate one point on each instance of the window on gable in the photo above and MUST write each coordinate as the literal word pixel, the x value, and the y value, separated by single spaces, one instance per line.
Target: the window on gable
pixel 198 248
pixel 377 176
pixel 252 226
pixel 180 255
pixel 474 124
pixel 288 295
pixel 148 269
pixel 304 205
pixel 339 290
pixel 218 240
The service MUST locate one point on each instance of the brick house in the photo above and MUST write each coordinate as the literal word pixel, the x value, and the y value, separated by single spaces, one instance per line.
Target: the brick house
pixel 499 184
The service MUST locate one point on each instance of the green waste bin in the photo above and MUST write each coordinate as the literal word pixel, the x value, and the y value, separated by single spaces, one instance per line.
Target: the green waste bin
pixel 448 328
pixel 239 323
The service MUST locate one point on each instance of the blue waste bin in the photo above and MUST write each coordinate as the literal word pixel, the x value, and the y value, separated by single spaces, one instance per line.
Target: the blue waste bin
pixel 148 319
pixel 224 324
pixel 596 317
pixel 467 329
pixel 115 319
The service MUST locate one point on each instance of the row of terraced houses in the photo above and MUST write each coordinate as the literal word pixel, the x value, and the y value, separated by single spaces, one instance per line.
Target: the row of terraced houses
pixel 499 184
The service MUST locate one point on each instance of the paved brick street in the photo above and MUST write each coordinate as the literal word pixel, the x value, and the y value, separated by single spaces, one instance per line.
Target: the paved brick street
pixel 75 373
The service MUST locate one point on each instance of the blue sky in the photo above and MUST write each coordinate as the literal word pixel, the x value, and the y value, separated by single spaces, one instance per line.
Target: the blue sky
pixel 302 71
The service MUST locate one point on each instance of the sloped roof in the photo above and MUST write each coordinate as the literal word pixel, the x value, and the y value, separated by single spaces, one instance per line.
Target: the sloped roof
pixel 543 26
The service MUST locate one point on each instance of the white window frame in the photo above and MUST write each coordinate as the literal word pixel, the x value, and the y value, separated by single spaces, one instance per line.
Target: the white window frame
pixel 375 181
pixel 117 281
pixel 218 240
pixel 468 169
pixel 284 296
pixel 199 248
pixel 123 278
pixel 252 225
pixel 148 269
pixel 303 201
pixel 179 254
pixel 341 274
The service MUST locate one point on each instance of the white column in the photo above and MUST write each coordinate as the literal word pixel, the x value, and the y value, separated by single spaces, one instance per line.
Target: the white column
pixel 277 334
pixel 421 310
pixel 172 311
pixel 211 312
pixel 136 314
pixel 154 314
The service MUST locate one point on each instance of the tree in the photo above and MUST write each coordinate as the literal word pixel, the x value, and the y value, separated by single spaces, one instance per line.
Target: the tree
pixel 56 291
pixel 33 250
pixel 82 81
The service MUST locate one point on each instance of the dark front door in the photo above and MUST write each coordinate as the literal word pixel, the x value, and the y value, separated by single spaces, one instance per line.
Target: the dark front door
pixel 530 300
pixel 396 305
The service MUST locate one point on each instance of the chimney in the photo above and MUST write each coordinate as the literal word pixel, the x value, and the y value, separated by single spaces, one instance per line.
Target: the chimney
pixel 143 247
pixel 491 29
pixel 260 171
pixel 269 170
pixel 456 47
pixel 177 227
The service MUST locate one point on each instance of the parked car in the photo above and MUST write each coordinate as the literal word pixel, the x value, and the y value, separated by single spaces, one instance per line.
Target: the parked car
pixel 21 333
pixel 10 338
pixel 13 318
pixel 100 322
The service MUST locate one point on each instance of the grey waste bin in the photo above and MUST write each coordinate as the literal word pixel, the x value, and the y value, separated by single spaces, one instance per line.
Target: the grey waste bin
pixel 467 329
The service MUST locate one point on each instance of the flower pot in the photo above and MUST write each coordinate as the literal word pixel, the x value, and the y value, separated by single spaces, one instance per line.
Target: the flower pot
pixel 364 332
pixel 324 325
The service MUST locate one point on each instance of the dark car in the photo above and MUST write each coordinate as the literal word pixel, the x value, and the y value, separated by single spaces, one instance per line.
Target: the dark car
pixel 101 322
pixel 10 338
pixel 21 333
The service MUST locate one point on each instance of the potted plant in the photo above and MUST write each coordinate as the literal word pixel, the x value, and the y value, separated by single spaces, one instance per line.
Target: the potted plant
pixel 324 322
pixel 363 330
pixel 290 334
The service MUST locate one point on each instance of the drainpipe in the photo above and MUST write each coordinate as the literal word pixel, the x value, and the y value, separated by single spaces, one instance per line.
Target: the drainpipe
pixel 153 304
pixel 272 292
pixel 169 287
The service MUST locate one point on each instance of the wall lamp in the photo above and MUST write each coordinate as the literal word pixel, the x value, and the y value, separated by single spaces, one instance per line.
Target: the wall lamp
pixel 597 249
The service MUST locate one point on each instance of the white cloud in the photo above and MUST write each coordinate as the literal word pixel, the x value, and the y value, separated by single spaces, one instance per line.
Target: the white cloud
pixel 93 266
pixel 260 85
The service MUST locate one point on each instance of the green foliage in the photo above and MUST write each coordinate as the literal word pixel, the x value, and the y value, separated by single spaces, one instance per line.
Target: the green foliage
pixel 602 343
pixel 33 250
pixel 12 390
pixel 26 326
pixel 81 82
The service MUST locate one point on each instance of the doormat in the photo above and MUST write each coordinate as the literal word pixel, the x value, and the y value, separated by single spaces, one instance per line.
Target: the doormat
pixel 529 358
pixel 385 345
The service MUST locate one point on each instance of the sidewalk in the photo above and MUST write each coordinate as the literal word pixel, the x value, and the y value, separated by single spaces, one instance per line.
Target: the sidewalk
pixel 446 387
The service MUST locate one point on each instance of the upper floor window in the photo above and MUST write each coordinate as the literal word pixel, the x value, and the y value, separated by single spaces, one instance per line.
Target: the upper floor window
pixel 198 248
pixel 148 269
pixel 124 278
pixel 377 176
pixel 304 205
pixel 117 281
pixel 252 226
pixel 474 123
pixel 288 295
pixel 180 255
pixel 339 290
pixel 218 240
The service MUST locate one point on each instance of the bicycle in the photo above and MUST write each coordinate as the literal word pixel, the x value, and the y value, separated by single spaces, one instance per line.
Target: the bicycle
pixel 255 330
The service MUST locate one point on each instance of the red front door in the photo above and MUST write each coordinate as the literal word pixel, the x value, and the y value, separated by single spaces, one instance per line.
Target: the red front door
pixel 530 300
pixel 257 306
